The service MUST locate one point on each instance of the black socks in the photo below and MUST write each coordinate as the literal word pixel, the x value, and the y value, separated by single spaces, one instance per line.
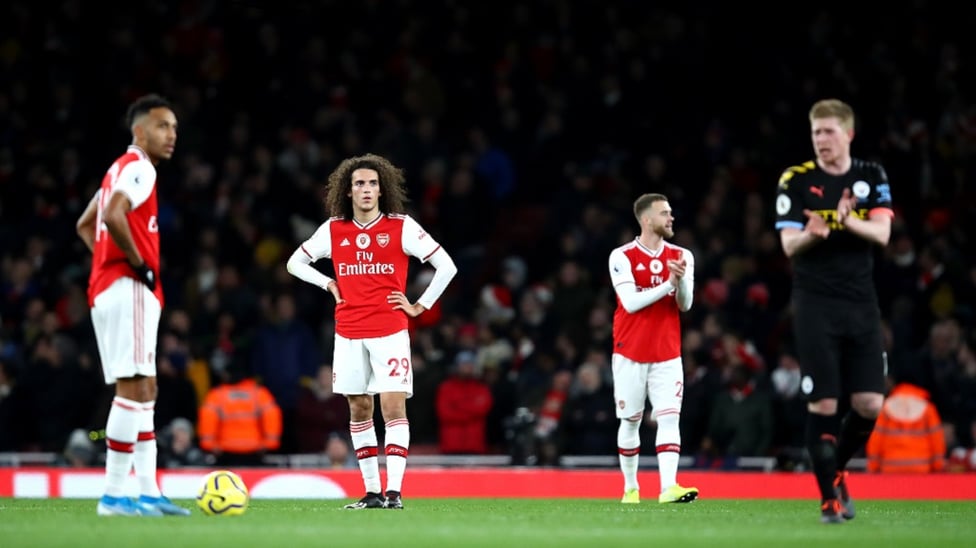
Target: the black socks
pixel 822 446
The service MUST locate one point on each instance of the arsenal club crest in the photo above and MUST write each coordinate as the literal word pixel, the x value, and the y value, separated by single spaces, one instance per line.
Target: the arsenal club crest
pixel 383 239
pixel 362 240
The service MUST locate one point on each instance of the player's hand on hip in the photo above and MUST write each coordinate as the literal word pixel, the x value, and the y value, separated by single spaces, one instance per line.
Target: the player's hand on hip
pixel 400 302
pixel 333 288
pixel 146 275
pixel 816 225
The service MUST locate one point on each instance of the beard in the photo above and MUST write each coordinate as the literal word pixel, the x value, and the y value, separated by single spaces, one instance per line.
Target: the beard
pixel 663 231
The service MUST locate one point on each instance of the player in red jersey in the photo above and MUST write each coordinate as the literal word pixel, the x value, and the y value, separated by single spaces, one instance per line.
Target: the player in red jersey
pixel 120 227
pixel 370 240
pixel 654 281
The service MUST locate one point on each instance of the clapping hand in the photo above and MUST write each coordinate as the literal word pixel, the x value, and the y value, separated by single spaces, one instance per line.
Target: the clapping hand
pixel 816 225
pixel 845 205
pixel 677 269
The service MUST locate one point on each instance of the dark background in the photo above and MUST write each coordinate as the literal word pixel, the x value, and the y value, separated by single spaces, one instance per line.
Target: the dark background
pixel 526 130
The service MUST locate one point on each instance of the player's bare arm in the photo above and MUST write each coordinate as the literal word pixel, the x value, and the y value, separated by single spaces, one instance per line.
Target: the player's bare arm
pixel 796 241
pixel 114 217
pixel 86 224
pixel 401 302
pixel 876 228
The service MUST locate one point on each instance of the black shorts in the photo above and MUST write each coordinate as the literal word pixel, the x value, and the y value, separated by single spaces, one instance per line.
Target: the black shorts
pixel 839 347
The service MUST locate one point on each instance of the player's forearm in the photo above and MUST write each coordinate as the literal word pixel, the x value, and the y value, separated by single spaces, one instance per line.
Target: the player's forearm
pixel 87 235
pixel 118 229
pixel 86 224
pixel 299 265
pixel 876 230
pixel 796 241
pixel 685 293
pixel 444 272
pixel 633 300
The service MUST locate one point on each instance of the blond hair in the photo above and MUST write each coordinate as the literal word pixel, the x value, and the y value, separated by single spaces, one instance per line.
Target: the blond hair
pixel 833 108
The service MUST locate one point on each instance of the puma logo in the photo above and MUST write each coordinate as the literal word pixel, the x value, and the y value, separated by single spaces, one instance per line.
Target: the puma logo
pixel 818 190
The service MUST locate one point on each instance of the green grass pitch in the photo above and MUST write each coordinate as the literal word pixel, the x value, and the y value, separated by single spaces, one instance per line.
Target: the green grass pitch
pixel 509 523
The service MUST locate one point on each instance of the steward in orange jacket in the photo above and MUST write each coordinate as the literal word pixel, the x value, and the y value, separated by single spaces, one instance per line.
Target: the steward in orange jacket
pixel 239 421
pixel 908 435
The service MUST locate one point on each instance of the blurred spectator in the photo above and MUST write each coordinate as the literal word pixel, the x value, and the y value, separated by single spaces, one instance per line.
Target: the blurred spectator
pixel 588 424
pixel 80 451
pixel 936 368
pixel 741 423
pixel 702 385
pixel 962 460
pixel 239 421
pixel 285 355
pixel 339 452
pixel 177 395
pixel 790 408
pixel 320 413
pixel 13 410
pixel 548 415
pixel 463 402
pixel 907 437
pixel 964 398
pixel 572 299
pixel 427 377
pixel 232 202
pixel 59 393
pixel 178 447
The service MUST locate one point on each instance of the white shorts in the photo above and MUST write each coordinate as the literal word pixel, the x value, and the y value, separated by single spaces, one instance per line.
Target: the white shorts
pixel 371 366
pixel 126 321
pixel 634 383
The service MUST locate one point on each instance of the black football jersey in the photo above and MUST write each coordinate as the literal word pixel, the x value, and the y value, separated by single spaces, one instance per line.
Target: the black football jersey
pixel 843 265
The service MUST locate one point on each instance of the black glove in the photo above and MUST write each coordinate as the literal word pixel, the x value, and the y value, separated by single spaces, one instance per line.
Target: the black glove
pixel 146 275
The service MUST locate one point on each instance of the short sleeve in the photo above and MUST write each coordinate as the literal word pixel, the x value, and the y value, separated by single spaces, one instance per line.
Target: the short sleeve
pixel 620 271
pixel 416 241
pixel 136 180
pixel 789 207
pixel 319 245
pixel 875 193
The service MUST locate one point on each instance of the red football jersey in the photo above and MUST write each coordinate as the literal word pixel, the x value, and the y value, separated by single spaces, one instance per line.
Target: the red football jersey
pixel 370 262
pixel 653 333
pixel 133 174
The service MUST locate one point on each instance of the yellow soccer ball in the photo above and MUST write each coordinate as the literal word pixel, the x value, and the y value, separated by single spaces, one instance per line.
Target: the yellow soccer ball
pixel 223 493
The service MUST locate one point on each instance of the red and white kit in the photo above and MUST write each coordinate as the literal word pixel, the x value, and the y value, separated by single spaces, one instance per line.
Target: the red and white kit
pixel 647 342
pixel 125 313
pixel 371 261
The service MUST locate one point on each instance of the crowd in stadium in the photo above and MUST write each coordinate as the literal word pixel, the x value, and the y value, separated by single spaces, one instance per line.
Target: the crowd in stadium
pixel 526 132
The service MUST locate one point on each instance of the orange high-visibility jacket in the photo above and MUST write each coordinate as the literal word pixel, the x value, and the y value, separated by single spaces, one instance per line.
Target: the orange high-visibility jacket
pixel 239 418
pixel 908 436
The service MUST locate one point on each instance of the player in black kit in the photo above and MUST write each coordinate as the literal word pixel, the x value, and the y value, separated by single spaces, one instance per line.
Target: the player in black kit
pixel 831 214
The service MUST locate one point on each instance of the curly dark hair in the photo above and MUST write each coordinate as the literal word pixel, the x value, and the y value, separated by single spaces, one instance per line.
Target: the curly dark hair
pixel 393 192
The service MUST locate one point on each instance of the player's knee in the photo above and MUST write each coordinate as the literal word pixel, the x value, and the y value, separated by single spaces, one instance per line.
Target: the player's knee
pixel 360 407
pixel 825 406
pixel 867 404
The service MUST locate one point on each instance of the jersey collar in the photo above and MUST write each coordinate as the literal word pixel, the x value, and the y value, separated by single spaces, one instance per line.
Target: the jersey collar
pixel 138 150
pixel 369 224
pixel 649 251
